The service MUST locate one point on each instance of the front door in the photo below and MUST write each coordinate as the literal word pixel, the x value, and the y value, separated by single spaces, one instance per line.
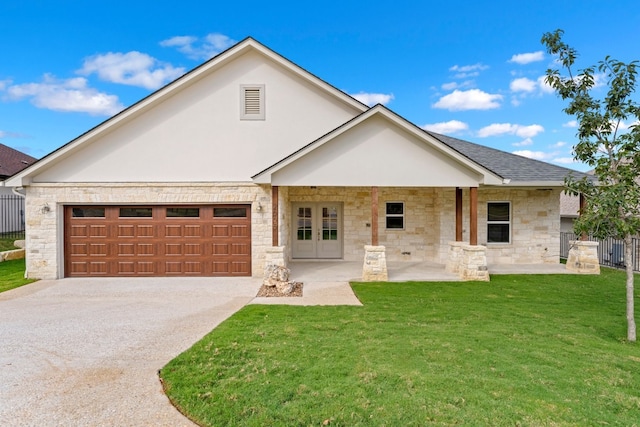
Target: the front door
pixel 317 230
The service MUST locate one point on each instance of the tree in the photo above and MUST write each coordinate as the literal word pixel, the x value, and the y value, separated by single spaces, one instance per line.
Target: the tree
pixel 609 142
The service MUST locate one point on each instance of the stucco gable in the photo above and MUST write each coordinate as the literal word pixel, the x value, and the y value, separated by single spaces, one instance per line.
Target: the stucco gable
pixel 377 148
pixel 184 130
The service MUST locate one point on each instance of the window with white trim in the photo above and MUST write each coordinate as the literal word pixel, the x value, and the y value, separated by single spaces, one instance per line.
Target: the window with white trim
pixel 394 216
pixel 499 222
pixel 252 102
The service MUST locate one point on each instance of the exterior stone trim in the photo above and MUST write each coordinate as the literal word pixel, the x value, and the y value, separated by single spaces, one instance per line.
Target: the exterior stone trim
pixel 375 264
pixel 474 263
pixel 583 257
pixel 275 255
pixel 454 258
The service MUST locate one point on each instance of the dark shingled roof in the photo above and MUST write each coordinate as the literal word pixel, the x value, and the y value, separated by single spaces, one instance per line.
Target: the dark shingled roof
pixel 507 165
pixel 12 161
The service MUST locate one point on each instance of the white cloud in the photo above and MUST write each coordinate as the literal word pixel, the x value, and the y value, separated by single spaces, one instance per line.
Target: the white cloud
pixel 510 129
pixel 544 86
pixel 4 134
pixel 523 143
pixel 570 124
pixel 4 84
pixel 456 85
pixel 465 71
pixel 537 155
pixel 522 84
pixel 559 144
pixel 468 68
pixel 450 127
pixel 211 45
pixel 71 95
pixel 131 68
pixel 564 160
pixel 472 99
pixel 373 98
pixel 526 58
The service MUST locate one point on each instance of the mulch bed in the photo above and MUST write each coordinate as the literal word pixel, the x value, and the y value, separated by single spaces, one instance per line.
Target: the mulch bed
pixel 271 291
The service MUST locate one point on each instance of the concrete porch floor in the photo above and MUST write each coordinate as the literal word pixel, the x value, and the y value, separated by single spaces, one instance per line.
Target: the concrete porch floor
pixel 347 271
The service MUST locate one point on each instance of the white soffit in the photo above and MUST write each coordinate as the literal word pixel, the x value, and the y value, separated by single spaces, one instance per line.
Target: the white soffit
pixel 378 148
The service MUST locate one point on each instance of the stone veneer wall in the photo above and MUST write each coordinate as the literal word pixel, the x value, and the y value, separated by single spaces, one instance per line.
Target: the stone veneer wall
pixel 45 226
pixel 417 242
pixel 535 224
pixel 429 218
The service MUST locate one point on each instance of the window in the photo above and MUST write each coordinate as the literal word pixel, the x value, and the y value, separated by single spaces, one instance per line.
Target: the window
pixel 136 212
pixel 230 212
pixel 183 212
pixel 87 212
pixel 498 222
pixel 395 215
pixel 252 102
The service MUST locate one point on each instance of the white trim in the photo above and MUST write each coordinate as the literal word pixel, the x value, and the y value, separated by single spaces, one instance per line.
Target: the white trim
pixel 487 177
pixel 25 176
pixel 509 222
pixel 387 215
pixel 250 107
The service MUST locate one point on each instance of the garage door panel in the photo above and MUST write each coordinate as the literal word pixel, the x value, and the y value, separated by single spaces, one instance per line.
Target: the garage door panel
pixel 240 231
pixel 158 241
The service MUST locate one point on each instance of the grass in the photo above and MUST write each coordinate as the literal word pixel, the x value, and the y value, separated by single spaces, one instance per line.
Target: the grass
pixel 12 275
pixel 6 244
pixel 520 350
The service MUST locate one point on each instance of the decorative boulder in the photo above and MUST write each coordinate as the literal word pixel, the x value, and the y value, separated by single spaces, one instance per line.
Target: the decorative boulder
pixel 278 276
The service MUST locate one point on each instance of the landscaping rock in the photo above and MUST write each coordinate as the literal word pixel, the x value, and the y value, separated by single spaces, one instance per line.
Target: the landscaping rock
pixel 277 277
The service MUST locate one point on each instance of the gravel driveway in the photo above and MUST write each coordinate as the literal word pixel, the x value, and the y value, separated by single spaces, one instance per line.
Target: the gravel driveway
pixel 86 352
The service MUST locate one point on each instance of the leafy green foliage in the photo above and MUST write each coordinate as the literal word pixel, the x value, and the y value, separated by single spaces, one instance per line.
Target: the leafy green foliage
pixel 604 142
pixel 613 201
pixel 520 350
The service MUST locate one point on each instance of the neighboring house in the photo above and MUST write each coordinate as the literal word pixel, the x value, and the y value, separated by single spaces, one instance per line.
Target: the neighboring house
pixel 249 157
pixel 569 211
pixel 11 206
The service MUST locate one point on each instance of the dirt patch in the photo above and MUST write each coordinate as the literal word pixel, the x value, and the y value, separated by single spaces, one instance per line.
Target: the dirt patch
pixel 271 291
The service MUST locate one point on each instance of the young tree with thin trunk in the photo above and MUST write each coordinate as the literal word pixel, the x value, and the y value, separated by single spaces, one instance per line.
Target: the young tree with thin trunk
pixel 609 142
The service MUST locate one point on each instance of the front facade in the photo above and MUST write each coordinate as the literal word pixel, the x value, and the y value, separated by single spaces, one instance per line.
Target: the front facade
pixel 249 155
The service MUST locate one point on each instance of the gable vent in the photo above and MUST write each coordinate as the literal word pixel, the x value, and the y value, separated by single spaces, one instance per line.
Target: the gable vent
pixel 252 102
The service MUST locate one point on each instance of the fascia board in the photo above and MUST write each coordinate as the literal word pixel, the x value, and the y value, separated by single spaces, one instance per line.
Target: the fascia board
pixel 264 177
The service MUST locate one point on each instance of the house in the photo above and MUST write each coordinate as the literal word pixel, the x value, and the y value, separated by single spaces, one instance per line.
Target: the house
pixel 250 160
pixel 11 205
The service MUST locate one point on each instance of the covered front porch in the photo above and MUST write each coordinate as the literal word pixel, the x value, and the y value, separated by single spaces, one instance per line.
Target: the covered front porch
pixel 403 271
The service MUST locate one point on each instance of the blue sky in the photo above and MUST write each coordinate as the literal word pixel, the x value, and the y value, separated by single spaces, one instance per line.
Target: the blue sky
pixel 467 69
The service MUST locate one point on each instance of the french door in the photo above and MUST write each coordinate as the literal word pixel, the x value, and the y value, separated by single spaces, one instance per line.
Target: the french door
pixel 317 230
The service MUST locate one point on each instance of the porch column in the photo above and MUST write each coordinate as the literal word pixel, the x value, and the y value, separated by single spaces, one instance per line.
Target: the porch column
pixel 473 216
pixel 374 216
pixel 274 215
pixel 583 203
pixel 458 214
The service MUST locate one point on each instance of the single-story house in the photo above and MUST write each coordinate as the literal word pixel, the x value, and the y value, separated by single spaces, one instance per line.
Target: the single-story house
pixel 250 160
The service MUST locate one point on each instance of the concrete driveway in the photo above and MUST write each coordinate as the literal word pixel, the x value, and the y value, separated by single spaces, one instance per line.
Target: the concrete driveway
pixel 80 352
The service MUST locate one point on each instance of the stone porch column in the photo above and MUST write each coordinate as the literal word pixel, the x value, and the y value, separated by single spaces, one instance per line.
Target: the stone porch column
pixel 474 263
pixel 583 257
pixel 375 264
pixel 454 258
pixel 274 255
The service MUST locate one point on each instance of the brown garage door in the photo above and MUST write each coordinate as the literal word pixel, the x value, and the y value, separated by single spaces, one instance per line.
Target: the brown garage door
pixel 212 240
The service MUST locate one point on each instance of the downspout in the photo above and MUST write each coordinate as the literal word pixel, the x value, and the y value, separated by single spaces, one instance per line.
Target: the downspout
pixel 15 191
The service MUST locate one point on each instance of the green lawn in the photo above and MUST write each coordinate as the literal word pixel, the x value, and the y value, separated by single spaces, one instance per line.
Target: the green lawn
pixel 518 351
pixel 12 275
pixel 6 244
